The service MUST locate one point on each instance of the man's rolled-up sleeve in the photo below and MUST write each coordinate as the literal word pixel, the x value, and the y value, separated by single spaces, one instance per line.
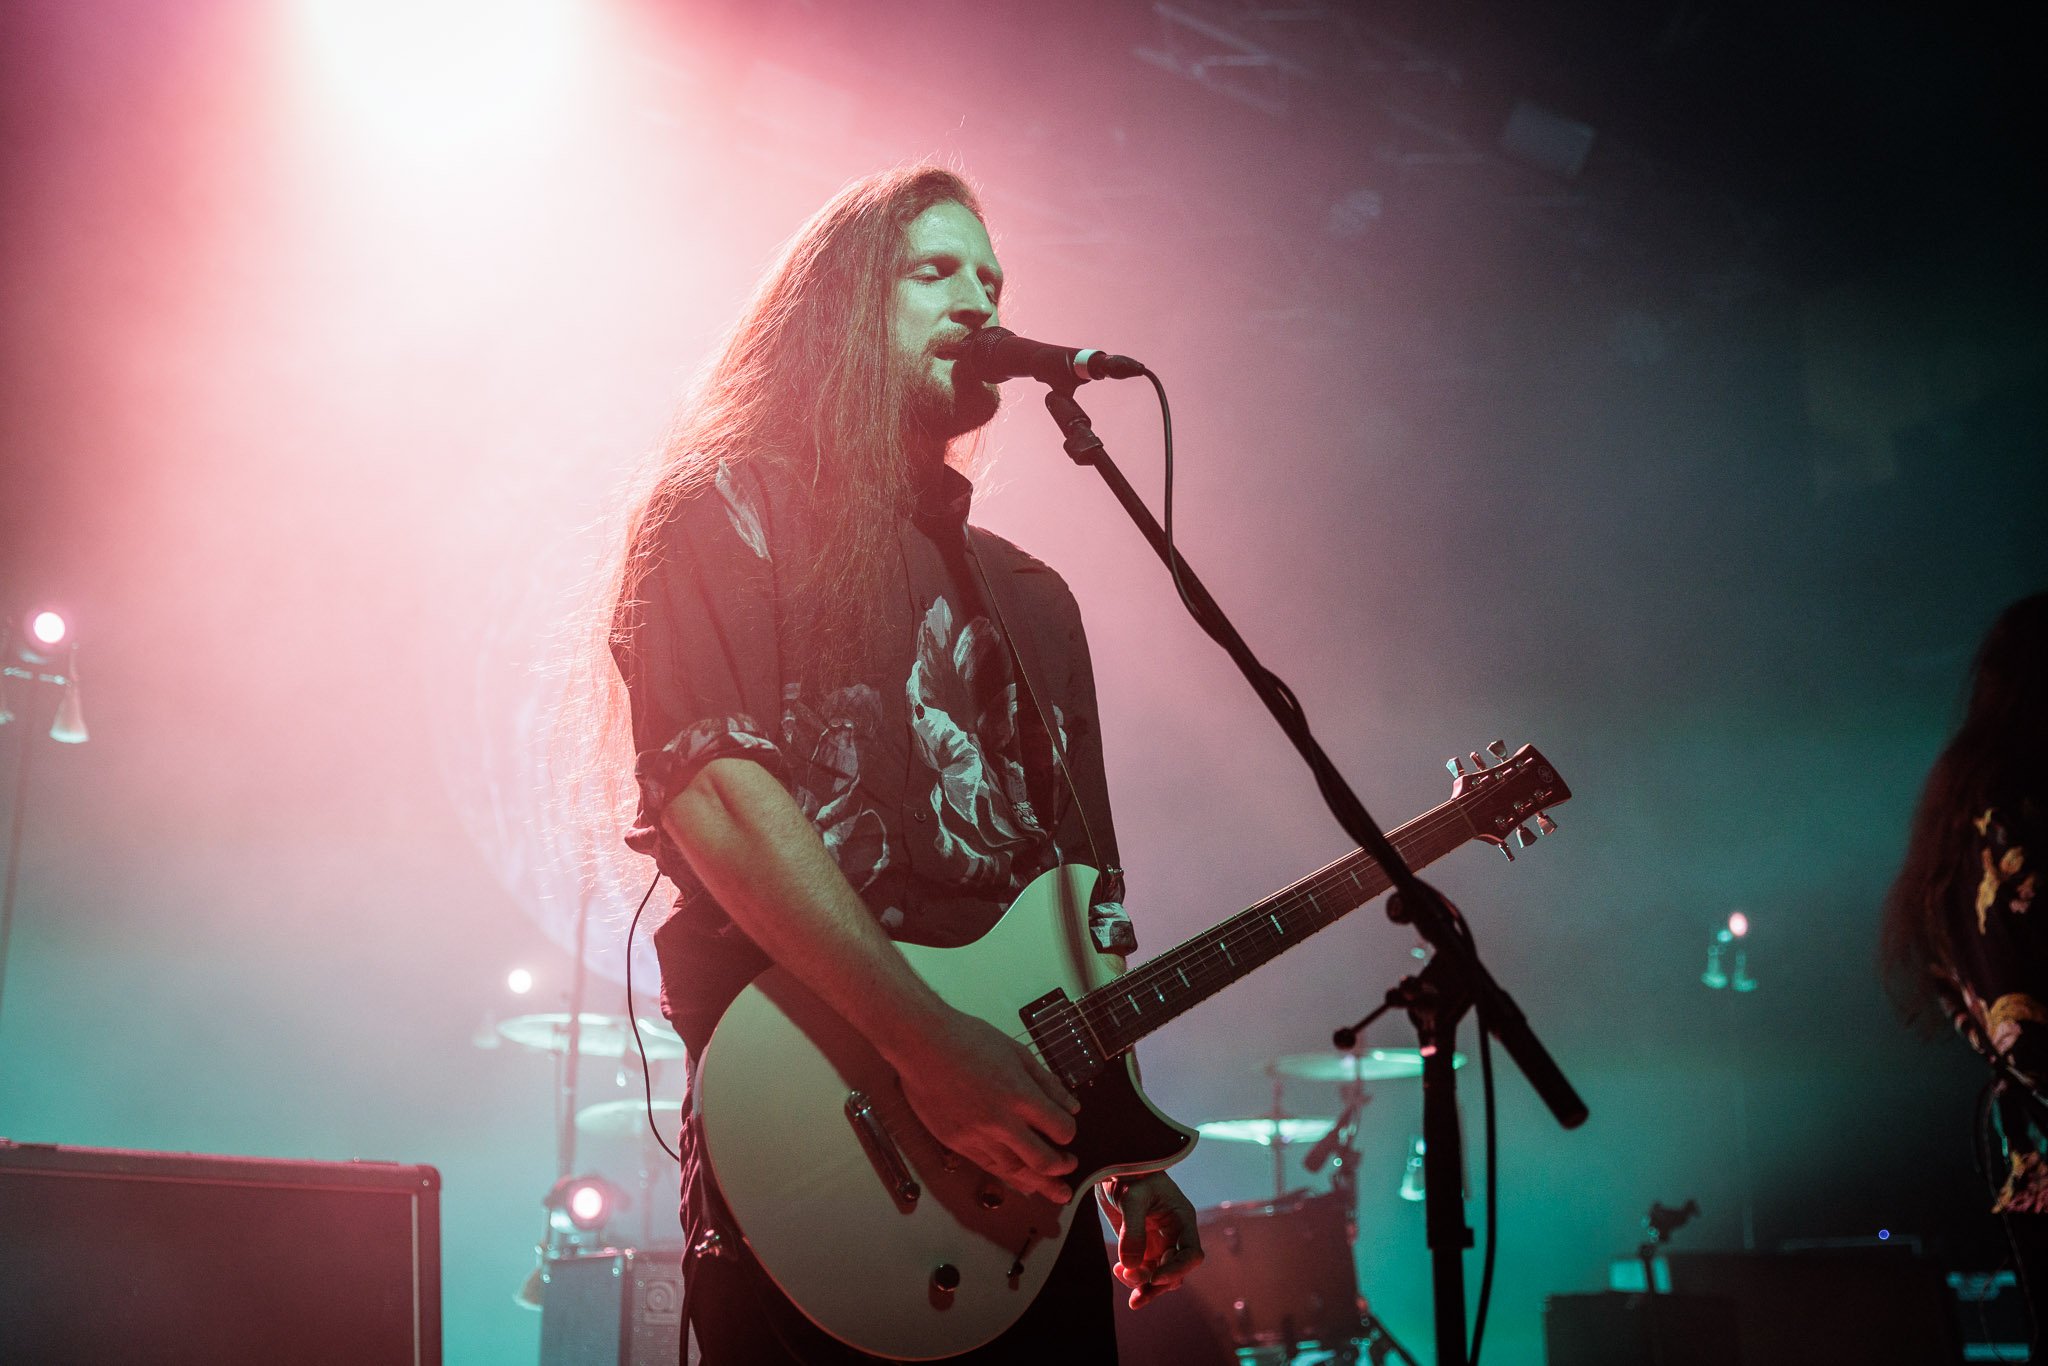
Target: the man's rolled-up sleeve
pixel 698 648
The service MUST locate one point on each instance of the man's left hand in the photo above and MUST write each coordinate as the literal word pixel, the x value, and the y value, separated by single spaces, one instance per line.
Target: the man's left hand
pixel 1157 1241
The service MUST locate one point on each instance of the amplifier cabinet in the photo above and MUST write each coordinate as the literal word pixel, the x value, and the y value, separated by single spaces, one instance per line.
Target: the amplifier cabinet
pixel 108 1255
pixel 613 1307
pixel 1615 1329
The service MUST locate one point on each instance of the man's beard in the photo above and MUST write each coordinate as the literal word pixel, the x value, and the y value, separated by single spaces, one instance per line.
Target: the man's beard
pixel 941 410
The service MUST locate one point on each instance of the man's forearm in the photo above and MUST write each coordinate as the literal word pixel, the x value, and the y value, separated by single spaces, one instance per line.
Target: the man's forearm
pixel 745 836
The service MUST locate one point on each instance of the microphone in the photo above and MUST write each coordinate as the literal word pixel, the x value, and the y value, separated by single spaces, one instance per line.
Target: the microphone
pixel 1325 1149
pixel 1333 1142
pixel 994 354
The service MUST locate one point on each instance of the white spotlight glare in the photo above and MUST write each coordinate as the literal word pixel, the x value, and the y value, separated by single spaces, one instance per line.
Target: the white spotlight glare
pixel 519 981
pixel 48 628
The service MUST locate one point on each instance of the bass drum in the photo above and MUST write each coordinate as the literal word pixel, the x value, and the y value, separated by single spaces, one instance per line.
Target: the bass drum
pixel 1279 1273
pixel 1276 1275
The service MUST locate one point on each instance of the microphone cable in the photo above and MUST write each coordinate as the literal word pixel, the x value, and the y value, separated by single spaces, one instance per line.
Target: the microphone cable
pixel 1457 919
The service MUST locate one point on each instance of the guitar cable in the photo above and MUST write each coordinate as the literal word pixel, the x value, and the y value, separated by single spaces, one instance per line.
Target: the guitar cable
pixel 633 1018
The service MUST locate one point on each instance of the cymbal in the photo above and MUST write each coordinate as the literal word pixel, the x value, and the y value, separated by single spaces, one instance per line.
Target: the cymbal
pixel 1260 1129
pixel 602 1036
pixel 627 1118
pixel 1374 1064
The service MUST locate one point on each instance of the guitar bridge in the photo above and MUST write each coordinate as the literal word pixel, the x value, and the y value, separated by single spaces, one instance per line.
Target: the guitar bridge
pixel 889 1164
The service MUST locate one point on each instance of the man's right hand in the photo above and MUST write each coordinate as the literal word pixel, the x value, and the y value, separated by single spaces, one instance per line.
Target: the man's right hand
pixel 988 1098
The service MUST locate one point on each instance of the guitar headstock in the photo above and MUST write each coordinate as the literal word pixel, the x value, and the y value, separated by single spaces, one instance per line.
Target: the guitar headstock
pixel 1501 800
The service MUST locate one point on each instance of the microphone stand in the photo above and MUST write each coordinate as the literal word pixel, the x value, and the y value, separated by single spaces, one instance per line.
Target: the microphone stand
pixel 1454 980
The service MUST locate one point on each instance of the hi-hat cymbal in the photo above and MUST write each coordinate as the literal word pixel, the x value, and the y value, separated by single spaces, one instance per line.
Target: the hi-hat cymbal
pixel 628 1118
pixel 602 1036
pixel 1374 1064
pixel 1260 1129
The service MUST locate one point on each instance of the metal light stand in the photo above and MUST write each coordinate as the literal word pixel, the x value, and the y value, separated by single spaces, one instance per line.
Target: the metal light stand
pixel 1456 979
pixel 69 727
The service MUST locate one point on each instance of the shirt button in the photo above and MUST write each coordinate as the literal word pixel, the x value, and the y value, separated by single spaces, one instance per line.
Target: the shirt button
pixel 921 817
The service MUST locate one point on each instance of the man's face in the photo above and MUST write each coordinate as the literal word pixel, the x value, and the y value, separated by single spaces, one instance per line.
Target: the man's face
pixel 948 286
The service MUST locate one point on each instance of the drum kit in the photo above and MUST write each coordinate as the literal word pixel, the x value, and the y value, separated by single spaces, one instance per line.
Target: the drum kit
pixel 610 1039
pixel 1279 1283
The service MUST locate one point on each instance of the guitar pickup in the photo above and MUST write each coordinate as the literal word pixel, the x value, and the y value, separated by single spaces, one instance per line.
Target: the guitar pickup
pixel 1063 1038
pixel 882 1151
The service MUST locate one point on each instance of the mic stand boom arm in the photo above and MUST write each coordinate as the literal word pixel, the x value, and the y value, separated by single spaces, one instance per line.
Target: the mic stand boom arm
pixel 1455 958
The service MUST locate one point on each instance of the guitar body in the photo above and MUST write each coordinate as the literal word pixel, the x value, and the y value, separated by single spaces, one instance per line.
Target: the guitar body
pixel 821 1212
pixel 897 1247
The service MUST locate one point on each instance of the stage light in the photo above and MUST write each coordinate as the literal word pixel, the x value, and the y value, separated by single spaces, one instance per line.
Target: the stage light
pixel 38 636
pixel 1738 924
pixel 1413 1187
pixel 48 628
pixel 588 1206
pixel 30 646
pixel 579 1204
pixel 69 727
pixel 435 80
pixel 519 981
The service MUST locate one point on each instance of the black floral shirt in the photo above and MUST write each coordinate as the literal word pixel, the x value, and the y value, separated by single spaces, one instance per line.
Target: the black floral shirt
pixel 1998 988
pixel 930 779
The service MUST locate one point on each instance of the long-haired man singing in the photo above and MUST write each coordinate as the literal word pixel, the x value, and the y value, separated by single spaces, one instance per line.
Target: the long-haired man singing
pixel 858 720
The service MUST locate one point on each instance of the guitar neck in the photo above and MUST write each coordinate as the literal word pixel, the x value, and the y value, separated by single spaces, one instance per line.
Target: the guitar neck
pixel 1126 1010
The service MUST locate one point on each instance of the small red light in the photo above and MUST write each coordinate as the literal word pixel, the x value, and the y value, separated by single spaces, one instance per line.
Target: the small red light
pixel 587 1205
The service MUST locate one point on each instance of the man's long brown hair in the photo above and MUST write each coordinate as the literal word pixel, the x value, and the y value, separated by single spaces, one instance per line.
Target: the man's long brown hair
pixel 808 382
pixel 808 385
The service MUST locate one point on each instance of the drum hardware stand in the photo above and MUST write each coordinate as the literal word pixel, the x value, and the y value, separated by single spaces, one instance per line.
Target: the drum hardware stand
pixel 1458 980
pixel 1342 1158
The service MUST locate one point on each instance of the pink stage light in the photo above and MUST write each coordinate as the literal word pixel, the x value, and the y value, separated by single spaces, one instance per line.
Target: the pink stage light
pixel 588 1205
pixel 432 80
pixel 1738 924
pixel 519 981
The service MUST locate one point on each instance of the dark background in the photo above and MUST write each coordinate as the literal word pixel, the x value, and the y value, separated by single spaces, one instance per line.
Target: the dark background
pixel 1701 462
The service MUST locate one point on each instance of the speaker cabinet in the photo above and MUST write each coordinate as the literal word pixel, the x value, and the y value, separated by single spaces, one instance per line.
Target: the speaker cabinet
pixel 615 1307
pixel 1611 1329
pixel 175 1258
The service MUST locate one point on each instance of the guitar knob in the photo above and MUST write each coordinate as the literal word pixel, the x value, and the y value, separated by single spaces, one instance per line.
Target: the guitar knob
pixel 1497 749
pixel 946 1279
pixel 1523 837
pixel 1455 769
pixel 1478 764
pixel 991 1196
pixel 1545 824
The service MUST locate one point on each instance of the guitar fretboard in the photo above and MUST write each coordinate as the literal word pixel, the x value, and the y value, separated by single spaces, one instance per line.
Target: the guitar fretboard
pixel 1126 1010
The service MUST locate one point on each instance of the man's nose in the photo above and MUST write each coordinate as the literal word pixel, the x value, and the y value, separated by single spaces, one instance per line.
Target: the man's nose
pixel 974 307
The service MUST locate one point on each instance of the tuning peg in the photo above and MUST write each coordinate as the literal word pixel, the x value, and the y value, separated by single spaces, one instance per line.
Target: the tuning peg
pixel 1523 837
pixel 1545 824
pixel 1507 851
pixel 1478 762
pixel 1453 767
pixel 1497 749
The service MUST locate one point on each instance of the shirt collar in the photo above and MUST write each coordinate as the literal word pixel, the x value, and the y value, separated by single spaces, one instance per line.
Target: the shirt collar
pixel 943 498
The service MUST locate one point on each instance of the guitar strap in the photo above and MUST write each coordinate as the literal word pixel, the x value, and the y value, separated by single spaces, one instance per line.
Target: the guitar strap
pixel 1109 882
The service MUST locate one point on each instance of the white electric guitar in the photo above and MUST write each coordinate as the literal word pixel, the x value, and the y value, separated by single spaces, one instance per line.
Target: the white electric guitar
pixel 900 1248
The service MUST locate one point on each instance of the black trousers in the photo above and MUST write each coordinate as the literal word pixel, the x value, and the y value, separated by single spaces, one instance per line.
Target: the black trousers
pixel 742 1319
